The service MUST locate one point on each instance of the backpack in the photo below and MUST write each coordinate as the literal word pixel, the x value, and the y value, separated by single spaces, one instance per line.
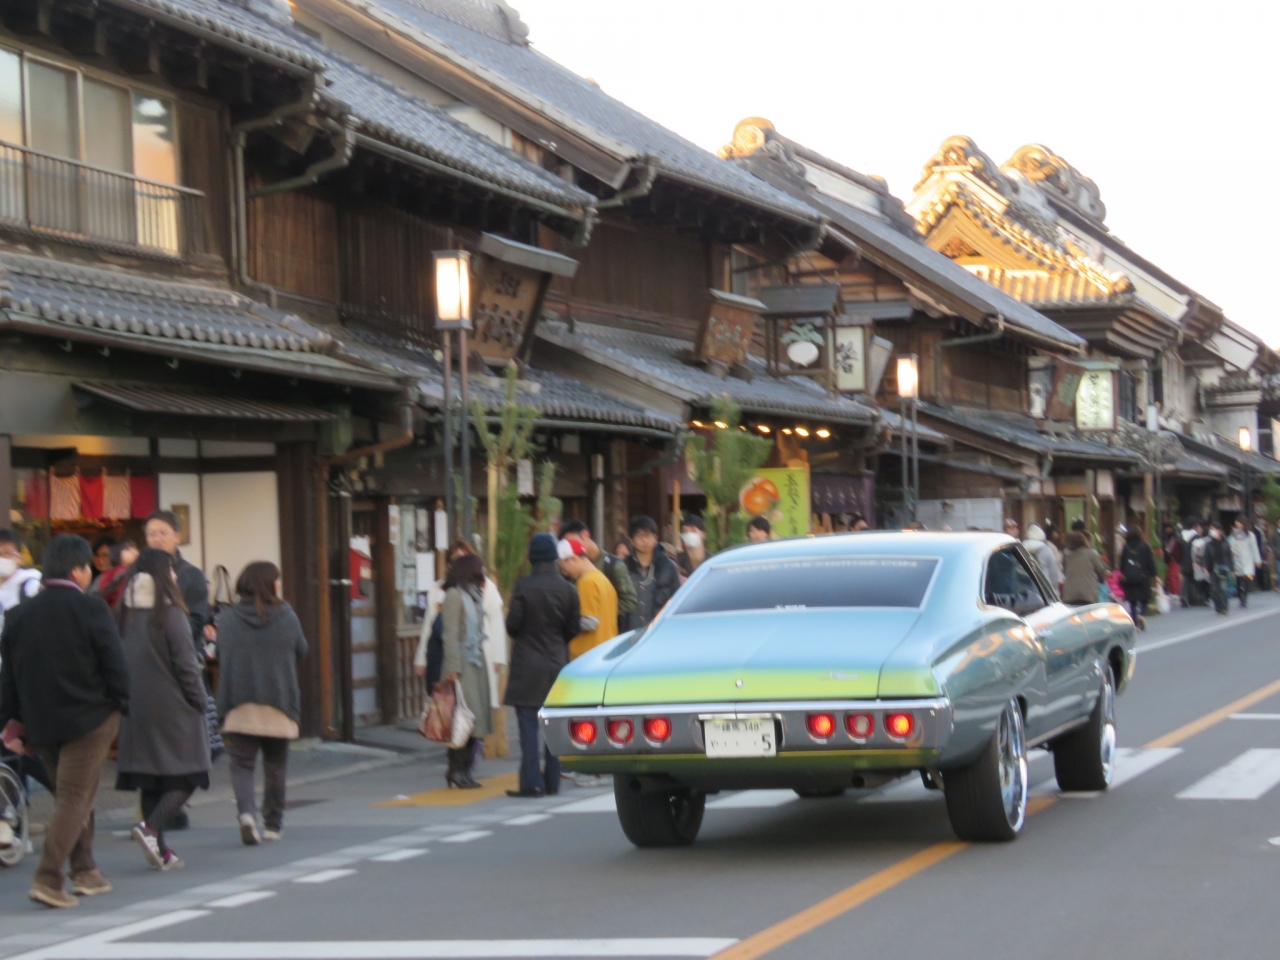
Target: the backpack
pixel 1131 570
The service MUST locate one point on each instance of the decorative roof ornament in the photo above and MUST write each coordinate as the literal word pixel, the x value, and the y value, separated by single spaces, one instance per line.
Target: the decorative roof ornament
pixel 517 29
pixel 1042 166
pixel 756 135
pixel 962 154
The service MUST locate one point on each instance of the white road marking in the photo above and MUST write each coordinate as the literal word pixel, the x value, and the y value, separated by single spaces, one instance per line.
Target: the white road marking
pixel 1131 762
pixel 527 819
pixel 1247 777
pixel 1255 716
pixel 754 800
pixel 324 876
pixel 466 836
pixel 601 803
pixel 694 947
pixel 1230 623
pixel 395 856
pixel 84 946
pixel 241 899
pixel 1274 841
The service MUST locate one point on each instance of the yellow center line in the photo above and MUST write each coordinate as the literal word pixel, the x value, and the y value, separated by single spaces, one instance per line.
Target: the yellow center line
pixel 1189 730
pixel 809 919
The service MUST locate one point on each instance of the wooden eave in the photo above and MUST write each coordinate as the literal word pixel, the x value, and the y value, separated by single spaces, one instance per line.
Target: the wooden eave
pixel 1130 331
pixel 976 440
pixel 607 167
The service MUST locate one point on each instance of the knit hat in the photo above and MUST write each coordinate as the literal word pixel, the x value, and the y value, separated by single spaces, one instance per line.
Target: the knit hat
pixel 542 548
pixel 1034 532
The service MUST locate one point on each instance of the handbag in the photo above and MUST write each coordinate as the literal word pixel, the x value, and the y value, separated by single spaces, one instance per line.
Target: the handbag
pixel 447 719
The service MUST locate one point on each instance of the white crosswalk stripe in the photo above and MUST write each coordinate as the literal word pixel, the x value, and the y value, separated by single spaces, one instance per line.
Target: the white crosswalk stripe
pixel 1247 777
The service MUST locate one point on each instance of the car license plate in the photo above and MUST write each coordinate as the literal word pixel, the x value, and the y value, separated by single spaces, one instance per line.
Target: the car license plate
pixel 740 737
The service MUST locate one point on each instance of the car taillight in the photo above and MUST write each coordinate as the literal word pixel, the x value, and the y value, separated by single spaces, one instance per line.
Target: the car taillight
pixel 657 729
pixel 860 725
pixel 583 732
pixel 899 725
pixel 621 731
pixel 821 725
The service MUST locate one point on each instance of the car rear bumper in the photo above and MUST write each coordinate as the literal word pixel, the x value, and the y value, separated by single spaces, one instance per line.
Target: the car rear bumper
pixel 798 751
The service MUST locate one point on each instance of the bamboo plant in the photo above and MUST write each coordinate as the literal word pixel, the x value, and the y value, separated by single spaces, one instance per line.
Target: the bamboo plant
pixel 721 468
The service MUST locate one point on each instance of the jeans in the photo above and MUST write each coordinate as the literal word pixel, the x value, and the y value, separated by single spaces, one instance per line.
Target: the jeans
pixel 532 776
pixel 1220 585
pixel 76 768
pixel 243 750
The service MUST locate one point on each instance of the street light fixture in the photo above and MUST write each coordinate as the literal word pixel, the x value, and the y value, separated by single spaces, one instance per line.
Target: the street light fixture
pixel 909 389
pixel 1245 438
pixel 453 312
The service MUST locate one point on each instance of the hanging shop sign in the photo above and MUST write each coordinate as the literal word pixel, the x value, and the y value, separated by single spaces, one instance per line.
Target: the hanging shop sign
pixel 851 359
pixel 1096 400
pixel 513 282
pixel 725 335
pixel 781 496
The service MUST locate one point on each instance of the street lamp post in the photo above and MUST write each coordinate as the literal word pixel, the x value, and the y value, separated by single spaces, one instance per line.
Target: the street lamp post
pixel 453 312
pixel 1245 439
pixel 909 390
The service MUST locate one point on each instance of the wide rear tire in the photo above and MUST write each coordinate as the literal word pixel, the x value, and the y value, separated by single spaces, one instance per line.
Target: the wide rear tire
pixel 658 818
pixel 987 800
pixel 1084 760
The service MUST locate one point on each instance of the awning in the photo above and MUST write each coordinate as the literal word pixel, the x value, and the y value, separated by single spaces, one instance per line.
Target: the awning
pixel 169 401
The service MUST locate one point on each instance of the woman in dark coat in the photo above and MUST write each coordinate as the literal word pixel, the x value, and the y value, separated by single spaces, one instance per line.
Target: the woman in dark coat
pixel 541 620
pixel 1137 570
pixel 164 740
pixel 260 645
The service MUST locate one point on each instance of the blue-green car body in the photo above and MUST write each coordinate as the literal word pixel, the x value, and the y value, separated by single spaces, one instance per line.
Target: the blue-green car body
pixel 953 662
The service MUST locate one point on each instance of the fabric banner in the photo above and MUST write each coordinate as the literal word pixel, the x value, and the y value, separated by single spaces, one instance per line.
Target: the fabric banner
pixel 781 496
pixel 91 497
pixel 142 497
pixel 64 497
pixel 116 499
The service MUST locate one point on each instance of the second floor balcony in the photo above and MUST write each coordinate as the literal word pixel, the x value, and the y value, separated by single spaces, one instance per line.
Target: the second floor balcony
pixel 79 203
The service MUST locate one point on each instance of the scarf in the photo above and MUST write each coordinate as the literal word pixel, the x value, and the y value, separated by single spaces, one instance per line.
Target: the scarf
pixel 473 635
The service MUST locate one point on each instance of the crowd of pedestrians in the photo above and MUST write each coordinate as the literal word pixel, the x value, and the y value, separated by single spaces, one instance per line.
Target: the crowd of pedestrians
pixel 108 645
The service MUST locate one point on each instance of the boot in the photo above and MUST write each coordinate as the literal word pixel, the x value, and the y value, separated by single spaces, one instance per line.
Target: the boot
pixel 462 777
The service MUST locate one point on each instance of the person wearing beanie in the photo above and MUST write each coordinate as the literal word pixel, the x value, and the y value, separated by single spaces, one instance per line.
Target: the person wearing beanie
pixel 542 617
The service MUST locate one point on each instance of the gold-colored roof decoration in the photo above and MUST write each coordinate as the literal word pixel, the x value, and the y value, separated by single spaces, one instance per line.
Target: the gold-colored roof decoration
pixel 748 137
pixel 961 153
pixel 1042 166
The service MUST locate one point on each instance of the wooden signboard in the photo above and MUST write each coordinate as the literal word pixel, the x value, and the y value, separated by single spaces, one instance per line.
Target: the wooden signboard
pixel 506 308
pixel 726 332
pixel 1096 401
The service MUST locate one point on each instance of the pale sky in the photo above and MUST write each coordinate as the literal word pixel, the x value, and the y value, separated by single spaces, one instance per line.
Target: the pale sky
pixel 1170 107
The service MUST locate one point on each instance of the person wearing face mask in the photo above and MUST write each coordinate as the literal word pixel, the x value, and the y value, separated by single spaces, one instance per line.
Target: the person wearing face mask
pixel 1219 562
pixel 16 582
pixel 654 573
pixel 693 538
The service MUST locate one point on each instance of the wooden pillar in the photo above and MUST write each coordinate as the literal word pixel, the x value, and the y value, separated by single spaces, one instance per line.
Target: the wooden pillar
pixel 299 568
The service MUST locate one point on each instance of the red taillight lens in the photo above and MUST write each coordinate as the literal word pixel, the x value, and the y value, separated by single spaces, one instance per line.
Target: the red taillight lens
pixel 821 725
pixel 583 732
pixel 860 725
pixel 657 729
pixel 621 731
pixel 899 725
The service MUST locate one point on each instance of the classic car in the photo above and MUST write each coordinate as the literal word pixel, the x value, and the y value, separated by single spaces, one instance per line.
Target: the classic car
pixel 825 664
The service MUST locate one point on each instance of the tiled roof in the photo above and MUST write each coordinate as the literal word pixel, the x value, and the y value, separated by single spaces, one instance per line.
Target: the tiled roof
pixel 545 85
pixel 554 397
pixel 1225 452
pixel 656 359
pixel 1021 431
pixel 392 114
pixel 233 20
pixel 78 302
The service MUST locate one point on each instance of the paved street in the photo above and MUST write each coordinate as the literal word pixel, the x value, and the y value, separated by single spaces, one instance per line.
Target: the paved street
pixel 1176 861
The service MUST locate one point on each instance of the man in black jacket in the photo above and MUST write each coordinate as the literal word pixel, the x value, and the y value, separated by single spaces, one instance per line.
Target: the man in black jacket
pixel 655 575
pixel 1219 562
pixel 542 617
pixel 64 681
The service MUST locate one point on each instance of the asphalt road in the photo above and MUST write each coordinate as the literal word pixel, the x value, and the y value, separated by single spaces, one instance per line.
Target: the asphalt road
pixel 1177 860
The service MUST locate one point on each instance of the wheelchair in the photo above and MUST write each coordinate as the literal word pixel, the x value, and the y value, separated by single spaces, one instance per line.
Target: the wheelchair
pixel 14 839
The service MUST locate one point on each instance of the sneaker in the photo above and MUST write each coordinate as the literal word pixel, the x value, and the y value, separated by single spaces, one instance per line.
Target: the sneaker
pixel 170 861
pixel 249 835
pixel 587 779
pixel 272 835
pixel 146 838
pixel 6 835
pixel 90 884
pixel 58 899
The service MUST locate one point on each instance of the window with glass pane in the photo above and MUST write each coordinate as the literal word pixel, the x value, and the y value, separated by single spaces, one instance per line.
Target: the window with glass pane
pixel 13 201
pixel 53 124
pixel 108 200
pixel 155 157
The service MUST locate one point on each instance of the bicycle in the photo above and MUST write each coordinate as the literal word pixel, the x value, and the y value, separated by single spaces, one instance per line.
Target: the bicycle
pixel 13 817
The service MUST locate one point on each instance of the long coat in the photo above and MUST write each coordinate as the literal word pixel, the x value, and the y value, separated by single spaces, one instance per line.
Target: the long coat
pixel 165 733
pixel 474 679
pixel 542 618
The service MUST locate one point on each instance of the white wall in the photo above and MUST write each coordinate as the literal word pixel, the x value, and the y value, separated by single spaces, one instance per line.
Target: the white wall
pixel 184 488
pixel 242 520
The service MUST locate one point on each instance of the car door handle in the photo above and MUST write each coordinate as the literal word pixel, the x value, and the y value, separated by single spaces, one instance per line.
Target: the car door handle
pixel 1045 634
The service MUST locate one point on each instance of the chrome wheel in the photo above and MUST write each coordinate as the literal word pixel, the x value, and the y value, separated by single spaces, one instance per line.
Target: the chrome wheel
pixel 1107 739
pixel 1011 751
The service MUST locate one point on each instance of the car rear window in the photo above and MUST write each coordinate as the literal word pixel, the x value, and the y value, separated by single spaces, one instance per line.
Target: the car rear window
pixel 814 583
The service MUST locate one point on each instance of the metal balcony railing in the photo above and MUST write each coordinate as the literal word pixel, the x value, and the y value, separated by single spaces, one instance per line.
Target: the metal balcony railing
pixel 81 203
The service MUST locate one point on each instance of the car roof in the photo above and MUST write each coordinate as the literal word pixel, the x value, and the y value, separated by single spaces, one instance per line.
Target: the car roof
pixel 873 543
